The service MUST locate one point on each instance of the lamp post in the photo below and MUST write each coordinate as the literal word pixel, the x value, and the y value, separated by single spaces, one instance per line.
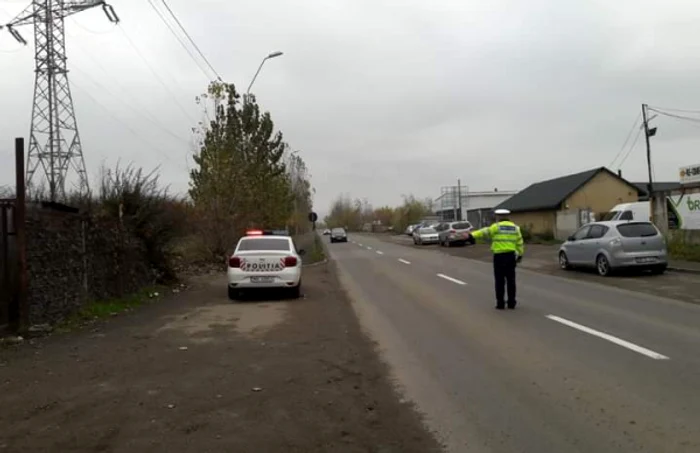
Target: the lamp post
pixel 272 55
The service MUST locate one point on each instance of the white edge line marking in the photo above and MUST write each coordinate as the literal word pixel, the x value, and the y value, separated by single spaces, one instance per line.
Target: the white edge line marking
pixel 610 338
pixel 404 261
pixel 379 252
pixel 453 280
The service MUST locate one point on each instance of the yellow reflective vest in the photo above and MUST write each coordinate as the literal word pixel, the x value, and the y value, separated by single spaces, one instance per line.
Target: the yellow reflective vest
pixel 505 237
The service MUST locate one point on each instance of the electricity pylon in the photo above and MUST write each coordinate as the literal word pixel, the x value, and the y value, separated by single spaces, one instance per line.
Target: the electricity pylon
pixel 54 142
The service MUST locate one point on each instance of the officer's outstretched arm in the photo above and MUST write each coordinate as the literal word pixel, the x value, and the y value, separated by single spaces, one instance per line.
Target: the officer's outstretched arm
pixel 482 234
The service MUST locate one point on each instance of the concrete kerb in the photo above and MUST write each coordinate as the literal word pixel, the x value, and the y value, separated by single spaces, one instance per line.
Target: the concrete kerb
pixel 684 270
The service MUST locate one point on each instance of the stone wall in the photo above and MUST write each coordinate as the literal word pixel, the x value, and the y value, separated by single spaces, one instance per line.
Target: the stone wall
pixel 73 259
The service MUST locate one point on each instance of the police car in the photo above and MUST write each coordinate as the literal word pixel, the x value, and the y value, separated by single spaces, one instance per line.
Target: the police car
pixel 265 259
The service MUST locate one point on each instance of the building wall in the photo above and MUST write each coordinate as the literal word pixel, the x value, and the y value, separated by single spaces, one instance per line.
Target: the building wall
pixel 471 201
pixel 601 194
pixel 537 222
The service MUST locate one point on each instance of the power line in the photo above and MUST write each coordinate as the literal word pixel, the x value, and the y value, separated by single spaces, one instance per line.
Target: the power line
pixel 636 138
pixel 116 118
pixel 655 108
pixel 137 111
pixel 142 111
pixel 179 40
pixel 629 135
pixel 680 117
pixel 190 39
pixel 153 71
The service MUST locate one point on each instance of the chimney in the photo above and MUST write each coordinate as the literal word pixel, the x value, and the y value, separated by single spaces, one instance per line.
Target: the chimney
pixel 495 189
pixel 619 173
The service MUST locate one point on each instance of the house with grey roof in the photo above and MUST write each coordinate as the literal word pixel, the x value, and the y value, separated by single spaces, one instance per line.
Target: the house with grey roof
pixel 557 206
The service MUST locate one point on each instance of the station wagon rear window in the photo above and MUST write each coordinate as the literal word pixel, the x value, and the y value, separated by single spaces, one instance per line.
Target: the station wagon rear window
pixel 637 230
pixel 265 244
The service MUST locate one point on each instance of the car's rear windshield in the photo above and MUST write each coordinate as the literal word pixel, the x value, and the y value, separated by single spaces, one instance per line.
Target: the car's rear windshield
pixel 427 230
pixel 265 244
pixel 461 225
pixel 637 230
pixel 338 230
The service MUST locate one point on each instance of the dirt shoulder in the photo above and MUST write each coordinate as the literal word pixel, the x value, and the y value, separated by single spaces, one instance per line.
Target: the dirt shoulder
pixel 197 373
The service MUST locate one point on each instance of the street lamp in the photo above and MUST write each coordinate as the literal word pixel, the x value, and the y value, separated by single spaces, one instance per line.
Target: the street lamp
pixel 272 55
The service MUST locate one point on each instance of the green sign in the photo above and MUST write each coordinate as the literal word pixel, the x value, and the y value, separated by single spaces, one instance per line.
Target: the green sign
pixel 687 209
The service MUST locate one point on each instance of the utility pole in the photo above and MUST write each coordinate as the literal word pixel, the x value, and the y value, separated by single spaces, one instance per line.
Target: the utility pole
pixel 54 142
pixel 459 191
pixel 646 136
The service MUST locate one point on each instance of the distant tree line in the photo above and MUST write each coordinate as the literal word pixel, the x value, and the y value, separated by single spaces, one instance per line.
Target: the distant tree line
pixel 354 213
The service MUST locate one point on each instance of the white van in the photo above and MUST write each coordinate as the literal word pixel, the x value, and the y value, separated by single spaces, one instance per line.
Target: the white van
pixel 639 211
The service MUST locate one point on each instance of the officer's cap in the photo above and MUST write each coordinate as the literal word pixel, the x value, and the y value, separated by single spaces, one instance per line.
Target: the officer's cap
pixel 501 212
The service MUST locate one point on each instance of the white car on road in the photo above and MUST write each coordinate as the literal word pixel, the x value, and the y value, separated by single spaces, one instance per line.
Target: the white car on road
pixel 263 260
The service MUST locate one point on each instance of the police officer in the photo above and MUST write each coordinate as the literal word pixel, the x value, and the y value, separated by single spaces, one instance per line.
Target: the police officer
pixel 507 247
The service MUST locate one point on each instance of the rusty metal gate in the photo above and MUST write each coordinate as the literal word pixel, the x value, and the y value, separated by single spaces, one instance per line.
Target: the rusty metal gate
pixel 8 264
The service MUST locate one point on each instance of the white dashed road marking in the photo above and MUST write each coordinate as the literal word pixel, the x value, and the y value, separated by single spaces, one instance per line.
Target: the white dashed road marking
pixel 369 248
pixel 404 261
pixel 379 252
pixel 453 280
pixel 618 341
pixel 359 244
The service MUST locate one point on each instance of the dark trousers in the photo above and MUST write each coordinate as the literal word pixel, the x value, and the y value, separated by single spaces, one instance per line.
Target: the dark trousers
pixel 504 273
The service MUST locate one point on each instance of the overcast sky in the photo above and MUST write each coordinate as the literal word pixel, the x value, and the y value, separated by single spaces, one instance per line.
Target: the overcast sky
pixel 385 98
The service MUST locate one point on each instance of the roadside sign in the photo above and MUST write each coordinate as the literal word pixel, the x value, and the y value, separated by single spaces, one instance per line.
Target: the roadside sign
pixel 313 217
pixel 690 174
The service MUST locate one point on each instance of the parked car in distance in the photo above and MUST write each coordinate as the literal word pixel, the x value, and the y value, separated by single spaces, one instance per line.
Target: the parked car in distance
pixel 612 245
pixel 411 228
pixel 639 211
pixel 454 233
pixel 339 235
pixel 425 235
pixel 326 232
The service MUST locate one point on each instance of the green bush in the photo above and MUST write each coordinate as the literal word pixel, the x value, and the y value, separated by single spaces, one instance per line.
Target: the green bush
pixel 147 210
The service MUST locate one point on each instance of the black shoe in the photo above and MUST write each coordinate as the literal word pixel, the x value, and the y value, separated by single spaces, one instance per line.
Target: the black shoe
pixel 512 305
pixel 500 307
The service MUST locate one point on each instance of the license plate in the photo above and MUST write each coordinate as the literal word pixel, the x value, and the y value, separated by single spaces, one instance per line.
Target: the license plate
pixel 262 279
pixel 646 260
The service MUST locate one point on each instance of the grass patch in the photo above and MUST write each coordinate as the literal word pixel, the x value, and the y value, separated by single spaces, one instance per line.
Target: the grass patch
pixel 316 252
pixel 98 310
pixel 680 249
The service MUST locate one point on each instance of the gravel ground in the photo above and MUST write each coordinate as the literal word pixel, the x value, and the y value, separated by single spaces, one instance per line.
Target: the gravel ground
pixel 197 373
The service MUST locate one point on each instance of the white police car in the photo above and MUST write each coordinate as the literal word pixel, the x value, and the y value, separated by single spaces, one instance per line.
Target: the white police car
pixel 265 259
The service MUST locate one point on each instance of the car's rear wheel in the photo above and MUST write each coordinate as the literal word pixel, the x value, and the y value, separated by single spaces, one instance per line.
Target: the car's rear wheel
pixel 295 293
pixel 233 294
pixel 564 261
pixel 602 265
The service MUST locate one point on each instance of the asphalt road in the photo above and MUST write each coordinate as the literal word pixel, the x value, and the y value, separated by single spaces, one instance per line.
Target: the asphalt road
pixel 577 367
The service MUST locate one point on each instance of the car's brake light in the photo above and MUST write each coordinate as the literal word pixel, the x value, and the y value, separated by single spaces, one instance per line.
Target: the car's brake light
pixel 290 261
pixel 254 233
pixel 234 261
pixel 452 231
